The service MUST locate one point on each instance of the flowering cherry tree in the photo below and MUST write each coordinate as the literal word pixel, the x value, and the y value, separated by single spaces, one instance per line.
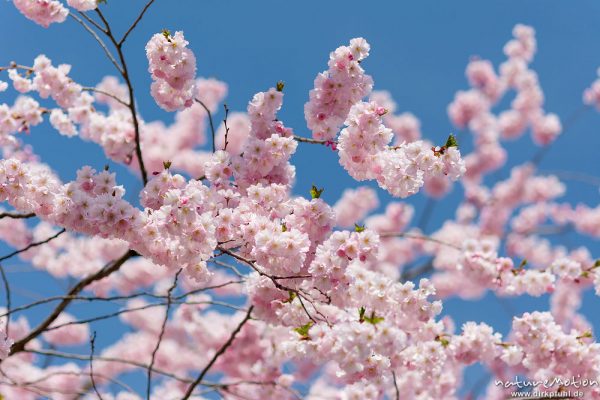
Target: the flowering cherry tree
pixel 230 285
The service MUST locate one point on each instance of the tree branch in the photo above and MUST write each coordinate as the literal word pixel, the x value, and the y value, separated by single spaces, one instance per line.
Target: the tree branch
pixel 19 346
pixel 137 20
pixel 222 350
pixel 31 245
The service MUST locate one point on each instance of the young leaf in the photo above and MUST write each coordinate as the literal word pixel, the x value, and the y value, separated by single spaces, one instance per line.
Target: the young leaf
pixel 303 330
pixel 451 142
pixel 359 228
pixel 315 193
pixel 280 86
pixel 373 319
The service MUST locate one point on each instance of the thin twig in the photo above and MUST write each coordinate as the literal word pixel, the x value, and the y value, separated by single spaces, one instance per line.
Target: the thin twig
pixel 131 105
pixel 313 141
pixel 14 215
pixel 19 346
pixel 412 273
pixel 161 334
pixel 418 237
pixel 92 346
pixel 210 120
pixel 137 20
pixel 113 298
pixel 222 350
pixel 31 245
pixel 54 353
pixel 570 121
pixel 92 89
pixel 8 297
pixel 396 385
pixel 91 21
pixel 226 127
pixel 102 44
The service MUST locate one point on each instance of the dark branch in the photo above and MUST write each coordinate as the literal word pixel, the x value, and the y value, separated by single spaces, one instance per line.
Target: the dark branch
pixel 138 19
pixel 103 273
pixel 31 245
pixel 222 350
pixel 161 334
pixel 210 120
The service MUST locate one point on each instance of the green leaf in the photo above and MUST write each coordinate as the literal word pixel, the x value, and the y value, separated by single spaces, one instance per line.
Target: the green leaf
pixel 283 227
pixel 445 342
pixel 303 330
pixel 167 164
pixel 167 34
pixel 315 193
pixel 280 85
pixel 291 298
pixel 373 319
pixel 359 228
pixel 451 142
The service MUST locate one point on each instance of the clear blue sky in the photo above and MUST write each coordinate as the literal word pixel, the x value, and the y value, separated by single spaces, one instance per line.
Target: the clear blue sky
pixel 418 52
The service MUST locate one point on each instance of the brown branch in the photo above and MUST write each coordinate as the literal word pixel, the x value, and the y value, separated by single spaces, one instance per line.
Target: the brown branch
pixel 137 20
pixel 92 89
pixel 210 120
pixel 92 347
pixel 14 215
pixel 161 334
pixel 19 346
pixel 31 245
pixel 413 273
pixel 8 297
pixel 226 141
pixel 131 105
pixel 418 237
pixel 222 350
pixel 102 44
pixel 396 385
pixel 54 353
pixel 313 141
pixel 113 298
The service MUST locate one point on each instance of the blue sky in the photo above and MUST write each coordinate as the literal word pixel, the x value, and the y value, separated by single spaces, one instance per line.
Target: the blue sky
pixel 418 52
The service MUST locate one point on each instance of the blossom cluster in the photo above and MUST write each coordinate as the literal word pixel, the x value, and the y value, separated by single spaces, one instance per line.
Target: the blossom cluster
pixel 401 170
pixel 337 89
pixel 173 69
pixel 311 305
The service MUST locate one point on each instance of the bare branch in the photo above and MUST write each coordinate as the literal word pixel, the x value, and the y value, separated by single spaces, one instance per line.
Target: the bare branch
pixel 14 215
pixel 91 21
pixel 210 120
pixel 137 20
pixel 302 139
pixel 418 237
pixel 222 350
pixel 102 44
pixel 131 105
pixel 161 334
pixel 31 245
pixel 8 297
pixel 19 346
pixel 92 347
pixel 226 127
pixel 91 89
